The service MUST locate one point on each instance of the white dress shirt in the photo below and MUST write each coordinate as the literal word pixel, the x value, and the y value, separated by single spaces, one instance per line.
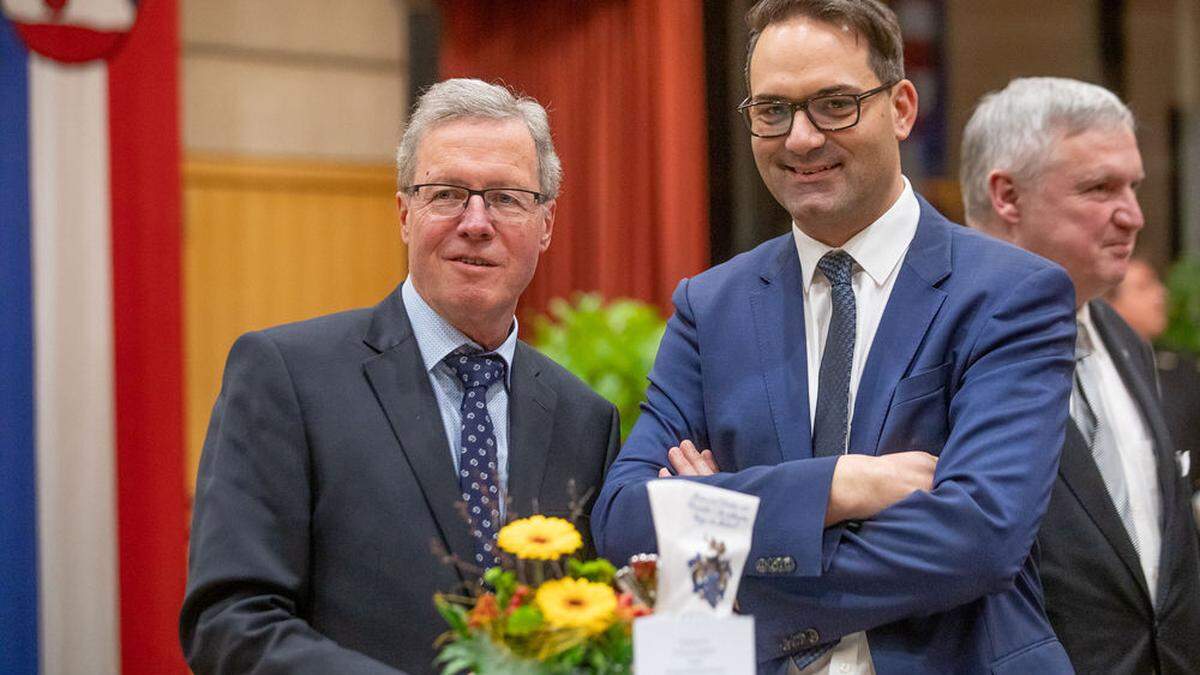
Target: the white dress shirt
pixel 1136 448
pixel 877 251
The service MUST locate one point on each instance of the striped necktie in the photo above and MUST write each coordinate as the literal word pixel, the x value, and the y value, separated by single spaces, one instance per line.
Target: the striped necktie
pixel 1088 406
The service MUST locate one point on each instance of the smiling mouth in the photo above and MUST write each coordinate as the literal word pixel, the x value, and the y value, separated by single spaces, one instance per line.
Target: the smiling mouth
pixel 812 171
pixel 474 262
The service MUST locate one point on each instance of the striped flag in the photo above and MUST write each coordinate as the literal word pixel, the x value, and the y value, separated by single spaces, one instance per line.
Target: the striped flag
pixel 92 496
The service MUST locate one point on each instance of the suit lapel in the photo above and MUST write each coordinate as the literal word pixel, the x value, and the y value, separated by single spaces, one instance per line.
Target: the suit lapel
pixel 911 308
pixel 1078 470
pixel 401 385
pixel 778 309
pixel 531 406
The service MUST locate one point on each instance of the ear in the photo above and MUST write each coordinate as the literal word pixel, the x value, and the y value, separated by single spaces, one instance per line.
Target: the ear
pixel 548 224
pixel 1004 196
pixel 904 109
pixel 403 210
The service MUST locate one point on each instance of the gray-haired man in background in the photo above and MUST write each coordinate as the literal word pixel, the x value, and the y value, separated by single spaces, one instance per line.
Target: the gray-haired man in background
pixel 341 447
pixel 1052 165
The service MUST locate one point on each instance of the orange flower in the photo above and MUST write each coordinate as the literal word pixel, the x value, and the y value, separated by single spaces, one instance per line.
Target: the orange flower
pixel 484 612
pixel 629 609
pixel 521 596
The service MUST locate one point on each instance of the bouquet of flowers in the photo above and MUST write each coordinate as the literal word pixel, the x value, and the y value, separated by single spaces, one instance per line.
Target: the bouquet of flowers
pixel 542 611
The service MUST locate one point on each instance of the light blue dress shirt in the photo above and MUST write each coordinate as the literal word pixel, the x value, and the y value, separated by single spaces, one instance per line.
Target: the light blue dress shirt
pixel 436 339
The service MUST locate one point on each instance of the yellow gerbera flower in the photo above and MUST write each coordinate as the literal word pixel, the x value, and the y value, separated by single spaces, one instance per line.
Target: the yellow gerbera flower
pixel 539 538
pixel 577 603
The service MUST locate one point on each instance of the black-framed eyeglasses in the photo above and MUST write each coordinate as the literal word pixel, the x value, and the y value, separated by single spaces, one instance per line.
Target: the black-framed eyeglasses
pixel 827 112
pixel 447 200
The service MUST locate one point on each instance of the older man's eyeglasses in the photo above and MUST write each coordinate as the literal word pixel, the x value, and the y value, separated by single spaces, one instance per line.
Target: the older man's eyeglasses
pixel 828 112
pixel 449 201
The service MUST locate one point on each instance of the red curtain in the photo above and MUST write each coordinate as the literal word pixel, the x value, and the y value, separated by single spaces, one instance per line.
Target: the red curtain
pixel 624 83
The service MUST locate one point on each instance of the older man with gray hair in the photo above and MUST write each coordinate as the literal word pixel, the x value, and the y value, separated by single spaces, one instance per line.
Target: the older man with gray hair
pixel 1052 165
pixel 345 452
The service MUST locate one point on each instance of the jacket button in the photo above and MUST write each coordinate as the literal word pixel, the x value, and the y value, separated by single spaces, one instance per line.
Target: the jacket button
pixel 800 640
pixel 809 637
pixel 760 566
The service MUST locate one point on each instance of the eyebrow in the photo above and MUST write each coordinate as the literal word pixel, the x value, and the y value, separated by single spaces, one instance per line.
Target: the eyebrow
pixel 457 182
pixel 1106 176
pixel 840 88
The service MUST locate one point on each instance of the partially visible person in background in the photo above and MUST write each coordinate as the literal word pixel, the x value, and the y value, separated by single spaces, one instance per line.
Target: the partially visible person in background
pixel 1141 299
pixel 1052 165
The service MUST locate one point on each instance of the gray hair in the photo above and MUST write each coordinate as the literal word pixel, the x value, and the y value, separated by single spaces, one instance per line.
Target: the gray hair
pixel 869 19
pixel 1014 130
pixel 468 98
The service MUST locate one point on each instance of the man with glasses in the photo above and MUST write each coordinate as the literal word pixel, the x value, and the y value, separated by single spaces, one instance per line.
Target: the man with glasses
pixel 892 386
pixel 351 456
pixel 1052 165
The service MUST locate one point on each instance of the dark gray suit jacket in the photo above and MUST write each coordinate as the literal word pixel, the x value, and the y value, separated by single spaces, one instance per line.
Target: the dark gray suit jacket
pixel 326 480
pixel 1096 594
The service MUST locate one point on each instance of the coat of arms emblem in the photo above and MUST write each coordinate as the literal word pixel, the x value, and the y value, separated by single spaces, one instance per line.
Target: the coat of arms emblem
pixel 710 573
pixel 72 31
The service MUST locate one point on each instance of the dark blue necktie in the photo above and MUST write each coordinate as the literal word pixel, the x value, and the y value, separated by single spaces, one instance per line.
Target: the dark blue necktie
pixel 477 476
pixel 831 422
pixel 833 388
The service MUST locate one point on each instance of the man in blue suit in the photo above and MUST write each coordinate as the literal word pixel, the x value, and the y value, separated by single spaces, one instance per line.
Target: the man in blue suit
pixel 892 386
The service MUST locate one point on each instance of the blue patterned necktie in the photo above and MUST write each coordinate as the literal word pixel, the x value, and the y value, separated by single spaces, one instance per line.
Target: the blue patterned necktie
pixel 831 422
pixel 477 471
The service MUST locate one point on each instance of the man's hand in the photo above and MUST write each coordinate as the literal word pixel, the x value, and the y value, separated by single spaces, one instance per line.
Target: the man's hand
pixel 864 485
pixel 687 461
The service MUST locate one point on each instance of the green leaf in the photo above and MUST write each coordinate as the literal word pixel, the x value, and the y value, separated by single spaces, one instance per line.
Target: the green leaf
pixel 572 657
pixel 1183 314
pixel 481 656
pixel 504 581
pixel 611 346
pixel 598 570
pixel 597 661
pixel 454 615
pixel 524 621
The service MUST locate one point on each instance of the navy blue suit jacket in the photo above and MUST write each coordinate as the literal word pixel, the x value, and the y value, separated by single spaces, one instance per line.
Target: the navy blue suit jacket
pixel 972 362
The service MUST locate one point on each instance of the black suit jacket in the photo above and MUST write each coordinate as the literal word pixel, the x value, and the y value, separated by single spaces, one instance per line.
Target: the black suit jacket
pixel 1096 594
pixel 1179 382
pixel 326 481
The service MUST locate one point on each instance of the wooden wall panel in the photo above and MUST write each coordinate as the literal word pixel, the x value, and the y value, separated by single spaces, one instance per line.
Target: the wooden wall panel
pixel 271 242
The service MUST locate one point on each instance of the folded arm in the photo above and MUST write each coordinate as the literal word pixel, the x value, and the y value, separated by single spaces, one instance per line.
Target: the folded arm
pixel 862 485
pixel 932 550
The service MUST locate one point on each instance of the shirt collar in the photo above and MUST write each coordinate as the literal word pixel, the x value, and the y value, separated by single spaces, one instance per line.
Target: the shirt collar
pixel 1084 315
pixel 1087 330
pixel 437 338
pixel 877 249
